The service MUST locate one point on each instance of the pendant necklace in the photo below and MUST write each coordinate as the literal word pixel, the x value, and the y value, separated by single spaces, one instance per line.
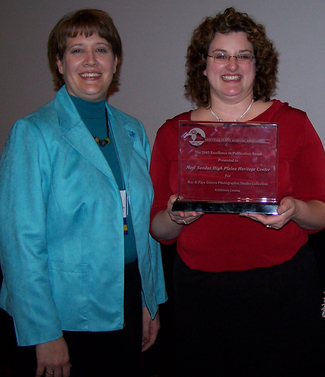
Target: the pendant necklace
pixel 107 140
pixel 235 120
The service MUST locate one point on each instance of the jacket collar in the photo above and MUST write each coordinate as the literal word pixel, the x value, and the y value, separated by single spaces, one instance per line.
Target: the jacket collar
pixel 77 135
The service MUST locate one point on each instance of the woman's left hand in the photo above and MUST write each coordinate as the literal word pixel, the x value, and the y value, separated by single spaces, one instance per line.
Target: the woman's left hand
pixel 286 212
pixel 308 215
pixel 150 328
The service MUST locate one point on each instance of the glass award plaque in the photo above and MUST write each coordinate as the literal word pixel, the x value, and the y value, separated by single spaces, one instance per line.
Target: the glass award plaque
pixel 227 167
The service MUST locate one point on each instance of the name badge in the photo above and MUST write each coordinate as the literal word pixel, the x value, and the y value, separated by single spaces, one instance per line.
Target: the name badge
pixel 125 211
pixel 124 203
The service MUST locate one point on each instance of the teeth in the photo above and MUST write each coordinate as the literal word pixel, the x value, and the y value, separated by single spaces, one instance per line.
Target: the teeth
pixel 231 78
pixel 90 74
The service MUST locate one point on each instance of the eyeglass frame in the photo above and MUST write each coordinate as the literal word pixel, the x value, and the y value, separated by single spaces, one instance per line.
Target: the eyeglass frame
pixel 215 60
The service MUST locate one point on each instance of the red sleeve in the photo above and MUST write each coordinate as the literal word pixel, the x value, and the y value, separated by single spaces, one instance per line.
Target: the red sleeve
pixel 308 167
pixel 302 158
pixel 164 164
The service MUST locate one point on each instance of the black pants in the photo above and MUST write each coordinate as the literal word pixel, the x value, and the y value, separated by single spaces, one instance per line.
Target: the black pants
pixel 93 354
pixel 262 322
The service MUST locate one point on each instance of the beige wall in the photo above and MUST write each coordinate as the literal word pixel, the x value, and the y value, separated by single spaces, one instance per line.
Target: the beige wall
pixel 155 35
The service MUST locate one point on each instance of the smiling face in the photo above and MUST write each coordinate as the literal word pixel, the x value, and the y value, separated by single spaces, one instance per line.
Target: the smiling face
pixel 230 81
pixel 88 66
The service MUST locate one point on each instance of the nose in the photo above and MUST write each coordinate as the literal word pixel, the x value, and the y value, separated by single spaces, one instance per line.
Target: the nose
pixel 232 62
pixel 90 58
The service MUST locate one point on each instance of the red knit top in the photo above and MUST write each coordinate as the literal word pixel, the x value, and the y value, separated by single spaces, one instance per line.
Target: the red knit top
pixel 226 242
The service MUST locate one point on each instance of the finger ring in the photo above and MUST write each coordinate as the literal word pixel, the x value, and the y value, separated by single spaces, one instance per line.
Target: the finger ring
pixel 49 373
pixel 268 226
pixel 184 222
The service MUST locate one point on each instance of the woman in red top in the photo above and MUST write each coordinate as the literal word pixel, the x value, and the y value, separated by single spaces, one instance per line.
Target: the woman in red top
pixel 247 296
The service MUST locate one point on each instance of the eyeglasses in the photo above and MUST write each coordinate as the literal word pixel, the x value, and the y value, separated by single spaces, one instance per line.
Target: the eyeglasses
pixel 222 58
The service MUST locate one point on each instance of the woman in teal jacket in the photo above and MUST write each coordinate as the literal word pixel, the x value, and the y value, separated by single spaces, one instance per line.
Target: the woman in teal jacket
pixel 76 253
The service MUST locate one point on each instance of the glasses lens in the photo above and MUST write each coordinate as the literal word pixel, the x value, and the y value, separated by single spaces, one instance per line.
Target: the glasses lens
pixel 224 58
pixel 245 58
pixel 220 57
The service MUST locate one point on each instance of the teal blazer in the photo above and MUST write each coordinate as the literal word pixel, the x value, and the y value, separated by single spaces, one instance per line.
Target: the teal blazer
pixel 61 225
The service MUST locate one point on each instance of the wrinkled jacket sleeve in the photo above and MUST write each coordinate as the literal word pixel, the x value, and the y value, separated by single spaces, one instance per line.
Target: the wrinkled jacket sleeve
pixel 25 174
pixel 154 251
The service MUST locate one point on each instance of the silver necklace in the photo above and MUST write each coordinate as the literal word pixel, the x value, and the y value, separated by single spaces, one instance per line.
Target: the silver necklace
pixel 235 120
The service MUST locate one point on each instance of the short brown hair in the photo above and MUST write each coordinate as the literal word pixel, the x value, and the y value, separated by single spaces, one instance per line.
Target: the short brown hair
pixel 85 22
pixel 197 86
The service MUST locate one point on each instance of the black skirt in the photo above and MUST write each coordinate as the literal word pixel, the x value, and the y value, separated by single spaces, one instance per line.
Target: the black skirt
pixel 260 322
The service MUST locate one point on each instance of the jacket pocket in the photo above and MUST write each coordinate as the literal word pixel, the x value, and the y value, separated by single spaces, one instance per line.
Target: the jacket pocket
pixel 70 290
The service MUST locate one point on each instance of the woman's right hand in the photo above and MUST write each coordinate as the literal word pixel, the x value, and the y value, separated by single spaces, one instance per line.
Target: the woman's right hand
pixel 53 359
pixel 168 224
pixel 181 217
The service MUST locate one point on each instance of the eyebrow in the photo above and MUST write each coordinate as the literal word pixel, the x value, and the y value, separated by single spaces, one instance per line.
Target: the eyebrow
pixel 225 51
pixel 82 44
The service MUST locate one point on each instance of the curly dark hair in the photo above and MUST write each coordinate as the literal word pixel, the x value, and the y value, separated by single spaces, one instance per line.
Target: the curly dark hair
pixel 197 85
pixel 85 22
